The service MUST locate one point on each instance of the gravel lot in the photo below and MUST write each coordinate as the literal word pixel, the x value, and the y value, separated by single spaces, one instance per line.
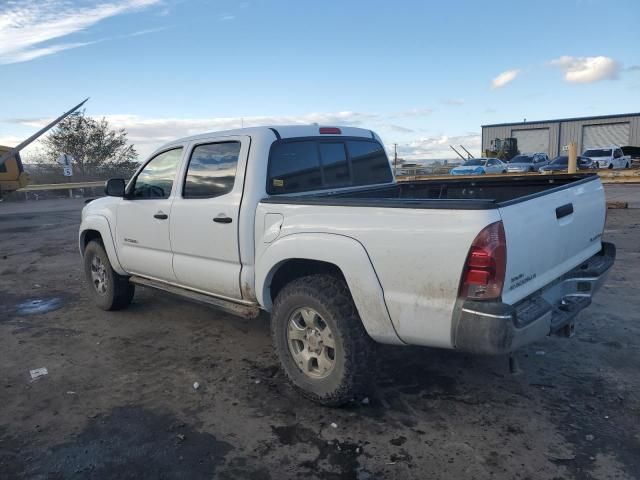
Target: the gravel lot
pixel 119 402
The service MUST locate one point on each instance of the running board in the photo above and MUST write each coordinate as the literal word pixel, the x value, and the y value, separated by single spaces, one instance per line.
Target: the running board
pixel 245 311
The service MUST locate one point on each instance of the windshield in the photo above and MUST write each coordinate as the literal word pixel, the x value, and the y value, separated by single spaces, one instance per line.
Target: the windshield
pixel 598 152
pixel 474 162
pixel 521 159
pixel 560 161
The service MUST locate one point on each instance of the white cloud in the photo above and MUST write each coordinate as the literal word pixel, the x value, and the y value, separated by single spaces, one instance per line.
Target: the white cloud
pixel 413 112
pixel 454 102
pixel 396 128
pixel 226 17
pixel 437 146
pixel 25 26
pixel 587 69
pixel 504 78
pixel 149 133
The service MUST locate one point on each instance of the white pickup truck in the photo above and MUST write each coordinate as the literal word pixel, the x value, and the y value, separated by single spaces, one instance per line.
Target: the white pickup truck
pixel 608 157
pixel 307 223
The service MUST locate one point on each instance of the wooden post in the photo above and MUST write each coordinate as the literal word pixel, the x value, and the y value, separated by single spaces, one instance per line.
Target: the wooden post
pixel 573 157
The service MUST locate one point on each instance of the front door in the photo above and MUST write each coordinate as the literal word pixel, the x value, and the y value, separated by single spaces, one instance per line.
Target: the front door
pixel 142 231
pixel 205 215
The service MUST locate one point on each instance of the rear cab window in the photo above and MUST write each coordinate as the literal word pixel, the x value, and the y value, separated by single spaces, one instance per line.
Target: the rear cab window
pixel 307 164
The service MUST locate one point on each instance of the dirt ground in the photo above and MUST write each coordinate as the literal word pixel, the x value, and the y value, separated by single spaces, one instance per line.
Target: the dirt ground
pixel 119 402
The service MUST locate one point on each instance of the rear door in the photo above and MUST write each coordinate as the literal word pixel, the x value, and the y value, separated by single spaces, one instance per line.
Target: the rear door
pixel 205 215
pixel 550 234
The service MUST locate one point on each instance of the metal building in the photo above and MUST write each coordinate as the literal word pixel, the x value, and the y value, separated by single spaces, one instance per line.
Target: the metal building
pixel 549 136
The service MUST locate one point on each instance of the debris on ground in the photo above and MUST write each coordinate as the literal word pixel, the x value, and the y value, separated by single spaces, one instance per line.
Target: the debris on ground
pixel 365 401
pixel 196 385
pixel 589 437
pixel 334 425
pixel 38 372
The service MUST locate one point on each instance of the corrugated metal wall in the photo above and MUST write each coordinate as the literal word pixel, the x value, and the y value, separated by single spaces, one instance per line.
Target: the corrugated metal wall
pixel 561 133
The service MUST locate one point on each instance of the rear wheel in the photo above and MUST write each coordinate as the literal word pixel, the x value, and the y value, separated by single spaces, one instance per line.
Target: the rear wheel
pixel 110 291
pixel 610 167
pixel 627 165
pixel 320 340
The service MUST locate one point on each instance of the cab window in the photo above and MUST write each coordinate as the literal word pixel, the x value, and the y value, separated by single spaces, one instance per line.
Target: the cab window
pixel 305 165
pixel 156 179
pixel 212 170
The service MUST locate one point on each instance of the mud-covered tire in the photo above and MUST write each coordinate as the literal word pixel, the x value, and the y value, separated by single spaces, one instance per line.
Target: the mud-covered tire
pixel 117 291
pixel 329 296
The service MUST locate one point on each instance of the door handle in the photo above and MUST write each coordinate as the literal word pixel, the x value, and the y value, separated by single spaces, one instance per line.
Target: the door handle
pixel 161 216
pixel 223 219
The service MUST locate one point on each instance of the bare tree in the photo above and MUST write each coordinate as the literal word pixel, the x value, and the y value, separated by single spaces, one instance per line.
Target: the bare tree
pixel 93 144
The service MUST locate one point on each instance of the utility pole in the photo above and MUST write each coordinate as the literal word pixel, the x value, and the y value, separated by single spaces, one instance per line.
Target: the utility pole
pixel 395 157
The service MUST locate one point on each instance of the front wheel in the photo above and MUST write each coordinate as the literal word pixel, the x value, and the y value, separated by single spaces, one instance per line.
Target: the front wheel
pixel 504 171
pixel 320 340
pixel 610 167
pixel 627 165
pixel 110 291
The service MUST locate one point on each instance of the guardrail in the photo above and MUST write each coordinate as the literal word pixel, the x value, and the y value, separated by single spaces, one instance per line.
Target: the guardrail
pixel 61 186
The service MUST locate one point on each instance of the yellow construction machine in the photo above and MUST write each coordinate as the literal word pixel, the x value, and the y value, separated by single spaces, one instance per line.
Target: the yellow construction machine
pixel 503 148
pixel 12 174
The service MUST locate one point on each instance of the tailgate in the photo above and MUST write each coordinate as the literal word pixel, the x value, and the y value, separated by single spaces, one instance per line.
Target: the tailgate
pixel 549 234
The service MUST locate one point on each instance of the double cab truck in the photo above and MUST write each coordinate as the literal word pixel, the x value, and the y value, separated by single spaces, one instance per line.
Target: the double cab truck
pixel 308 224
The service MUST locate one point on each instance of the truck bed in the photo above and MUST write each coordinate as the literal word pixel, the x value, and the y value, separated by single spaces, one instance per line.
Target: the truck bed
pixel 417 236
pixel 464 194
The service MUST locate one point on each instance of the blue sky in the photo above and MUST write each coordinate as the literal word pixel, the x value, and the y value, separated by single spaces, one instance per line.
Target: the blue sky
pixel 422 74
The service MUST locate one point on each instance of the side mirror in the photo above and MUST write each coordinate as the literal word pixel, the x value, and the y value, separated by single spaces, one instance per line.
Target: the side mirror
pixel 114 187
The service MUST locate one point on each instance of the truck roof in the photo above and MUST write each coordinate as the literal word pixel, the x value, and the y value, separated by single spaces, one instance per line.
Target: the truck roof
pixel 283 131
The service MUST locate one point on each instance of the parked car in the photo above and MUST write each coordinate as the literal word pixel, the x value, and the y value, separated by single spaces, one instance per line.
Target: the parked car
pixel 480 166
pixel 309 225
pixel 531 162
pixel 561 164
pixel 608 157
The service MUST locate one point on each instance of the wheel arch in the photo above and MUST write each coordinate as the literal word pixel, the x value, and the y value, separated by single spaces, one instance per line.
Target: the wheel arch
pixel 97 227
pixel 303 254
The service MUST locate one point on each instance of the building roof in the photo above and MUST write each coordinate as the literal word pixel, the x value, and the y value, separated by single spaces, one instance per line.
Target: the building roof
pixel 574 119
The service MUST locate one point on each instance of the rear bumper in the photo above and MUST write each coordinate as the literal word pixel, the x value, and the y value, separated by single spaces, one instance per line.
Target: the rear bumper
pixel 495 327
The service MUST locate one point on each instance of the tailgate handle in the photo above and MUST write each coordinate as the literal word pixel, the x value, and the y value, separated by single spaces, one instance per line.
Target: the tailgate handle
pixel 564 210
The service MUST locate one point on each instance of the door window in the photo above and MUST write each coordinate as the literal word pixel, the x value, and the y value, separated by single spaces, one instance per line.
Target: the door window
pixel 155 180
pixel 212 170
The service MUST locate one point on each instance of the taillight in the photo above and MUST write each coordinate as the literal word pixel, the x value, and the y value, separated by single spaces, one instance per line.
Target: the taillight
pixel 330 131
pixel 483 274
